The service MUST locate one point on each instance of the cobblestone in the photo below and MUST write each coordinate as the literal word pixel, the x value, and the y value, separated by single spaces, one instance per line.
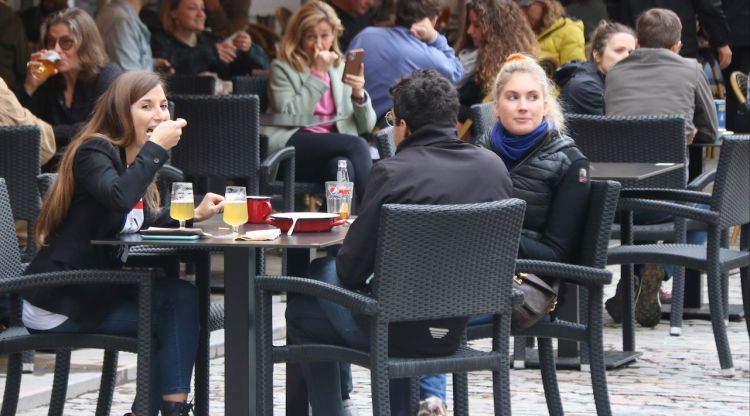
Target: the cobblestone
pixel 675 375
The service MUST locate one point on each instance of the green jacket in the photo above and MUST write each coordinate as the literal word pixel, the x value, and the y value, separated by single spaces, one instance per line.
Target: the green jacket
pixel 563 41
pixel 292 92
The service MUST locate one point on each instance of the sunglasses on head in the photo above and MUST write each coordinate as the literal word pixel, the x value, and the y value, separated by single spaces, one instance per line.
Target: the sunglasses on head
pixel 65 42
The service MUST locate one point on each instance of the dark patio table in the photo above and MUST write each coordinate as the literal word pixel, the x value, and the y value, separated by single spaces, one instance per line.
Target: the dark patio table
pixel 296 120
pixel 239 295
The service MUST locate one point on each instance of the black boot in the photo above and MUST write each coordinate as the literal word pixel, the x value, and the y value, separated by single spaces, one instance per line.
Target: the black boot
pixel 175 408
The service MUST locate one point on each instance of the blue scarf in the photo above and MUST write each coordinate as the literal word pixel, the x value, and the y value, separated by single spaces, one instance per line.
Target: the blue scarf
pixel 513 148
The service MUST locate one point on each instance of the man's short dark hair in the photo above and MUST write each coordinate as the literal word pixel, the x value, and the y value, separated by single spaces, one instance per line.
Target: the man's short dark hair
pixel 658 28
pixel 425 97
pixel 412 11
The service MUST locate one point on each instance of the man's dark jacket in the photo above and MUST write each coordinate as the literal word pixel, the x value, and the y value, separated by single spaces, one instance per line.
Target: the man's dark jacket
pixel 430 167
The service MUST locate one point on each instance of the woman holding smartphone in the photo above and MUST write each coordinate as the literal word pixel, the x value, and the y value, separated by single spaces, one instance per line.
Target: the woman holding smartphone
pixel 308 78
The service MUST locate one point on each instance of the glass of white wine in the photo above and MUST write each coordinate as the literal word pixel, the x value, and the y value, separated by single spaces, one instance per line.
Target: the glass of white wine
pixel 182 207
pixel 235 207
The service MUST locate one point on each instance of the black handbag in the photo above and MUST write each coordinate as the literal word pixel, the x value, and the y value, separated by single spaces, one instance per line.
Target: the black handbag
pixel 539 299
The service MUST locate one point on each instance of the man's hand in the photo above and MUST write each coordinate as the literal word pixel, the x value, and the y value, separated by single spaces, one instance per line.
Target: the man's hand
pixel 725 56
pixel 163 66
pixel 424 30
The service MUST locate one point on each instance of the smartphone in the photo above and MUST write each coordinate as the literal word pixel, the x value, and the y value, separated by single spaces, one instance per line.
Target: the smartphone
pixel 353 60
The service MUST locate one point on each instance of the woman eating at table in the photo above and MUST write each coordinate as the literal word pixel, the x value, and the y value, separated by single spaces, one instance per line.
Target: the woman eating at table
pixel 583 93
pixel 66 99
pixel 186 48
pixel 308 78
pixel 106 186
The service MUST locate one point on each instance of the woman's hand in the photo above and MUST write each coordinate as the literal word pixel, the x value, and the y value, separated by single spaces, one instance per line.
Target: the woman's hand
pixel 357 82
pixel 227 52
pixel 323 60
pixel 242 41
pixel 211 205
pixel 32 68
pixel 167 133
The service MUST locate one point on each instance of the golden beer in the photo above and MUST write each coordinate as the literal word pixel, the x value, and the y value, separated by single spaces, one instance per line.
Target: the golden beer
pixel 47 65
pixel 344 211
pixel 181 210
pixel 235 212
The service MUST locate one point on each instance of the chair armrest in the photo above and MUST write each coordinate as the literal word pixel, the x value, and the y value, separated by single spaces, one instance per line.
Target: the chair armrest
pixel 269 167
pixel 171 173
pixel 701 181
pixel 662 194
pixel 357 302
pixel 72 277
pixel 572 273
pixel 678 210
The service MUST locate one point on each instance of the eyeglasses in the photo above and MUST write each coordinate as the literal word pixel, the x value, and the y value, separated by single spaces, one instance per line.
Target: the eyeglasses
pixel 65 42
pixel 390 118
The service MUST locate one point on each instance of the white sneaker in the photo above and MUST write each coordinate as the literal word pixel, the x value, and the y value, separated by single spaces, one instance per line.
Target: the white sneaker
pixel 432 406
pixel 349 408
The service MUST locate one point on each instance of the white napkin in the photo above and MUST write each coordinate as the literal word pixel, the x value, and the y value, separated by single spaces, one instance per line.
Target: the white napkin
pixel 261 235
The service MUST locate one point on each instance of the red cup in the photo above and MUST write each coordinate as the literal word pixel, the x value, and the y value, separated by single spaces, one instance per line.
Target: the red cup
pixel 258 209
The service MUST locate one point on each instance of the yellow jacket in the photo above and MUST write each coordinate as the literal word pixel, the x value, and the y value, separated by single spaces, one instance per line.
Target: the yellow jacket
pixel 563 41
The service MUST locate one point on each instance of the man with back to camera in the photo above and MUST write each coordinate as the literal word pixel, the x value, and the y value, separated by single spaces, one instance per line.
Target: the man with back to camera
pixel 654 79
pixel 413 43
pixel 431 166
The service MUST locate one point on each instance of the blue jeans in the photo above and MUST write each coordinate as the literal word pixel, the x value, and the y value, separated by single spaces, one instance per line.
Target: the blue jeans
pixel 312 320
pixel 175 325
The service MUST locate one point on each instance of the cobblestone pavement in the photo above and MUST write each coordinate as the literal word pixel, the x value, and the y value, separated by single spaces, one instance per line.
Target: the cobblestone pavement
pixel 675 375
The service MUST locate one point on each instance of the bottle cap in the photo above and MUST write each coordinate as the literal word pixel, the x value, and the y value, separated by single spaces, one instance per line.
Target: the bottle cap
pixel 342 163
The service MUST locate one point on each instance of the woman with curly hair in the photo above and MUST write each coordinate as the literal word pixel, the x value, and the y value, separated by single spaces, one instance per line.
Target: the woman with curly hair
pixel 560 39
pixel 493 30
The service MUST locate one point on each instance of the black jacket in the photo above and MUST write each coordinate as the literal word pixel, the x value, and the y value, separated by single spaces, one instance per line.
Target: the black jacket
pixel 105 191
pixel 430 167
pixel 584 91
pixel 553 179
pixel 709 13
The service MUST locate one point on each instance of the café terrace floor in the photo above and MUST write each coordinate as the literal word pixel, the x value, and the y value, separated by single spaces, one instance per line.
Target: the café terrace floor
pixel 675 375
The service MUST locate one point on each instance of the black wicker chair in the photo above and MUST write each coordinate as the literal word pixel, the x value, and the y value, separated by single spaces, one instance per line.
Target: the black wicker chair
pixel 384 142
pixel 643 139
pixel 211 314
pixel 19 164
pixel 589 274
pixel 250 84
pixel 483 118
pixel 472 268
pixel 729 204
pixel 191 84
pixel 16 338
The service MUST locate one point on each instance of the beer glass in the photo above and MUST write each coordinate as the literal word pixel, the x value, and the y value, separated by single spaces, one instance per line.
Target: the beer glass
pixel 235 207
pixel 46 66
pixel 181 208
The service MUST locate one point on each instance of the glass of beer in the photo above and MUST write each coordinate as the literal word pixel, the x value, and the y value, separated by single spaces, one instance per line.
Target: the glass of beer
pixel 235 207
pixel 181 208
pixel 46 66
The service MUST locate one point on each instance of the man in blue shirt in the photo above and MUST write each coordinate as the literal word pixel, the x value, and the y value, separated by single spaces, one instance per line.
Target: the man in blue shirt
pixel 413 43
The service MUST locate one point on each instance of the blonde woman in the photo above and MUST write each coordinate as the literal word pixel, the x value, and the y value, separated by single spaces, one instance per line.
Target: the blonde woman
pixel 307 78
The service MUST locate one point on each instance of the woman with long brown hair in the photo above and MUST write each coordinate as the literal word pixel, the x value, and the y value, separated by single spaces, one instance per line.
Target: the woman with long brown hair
pixel 106 186
pixel 493 29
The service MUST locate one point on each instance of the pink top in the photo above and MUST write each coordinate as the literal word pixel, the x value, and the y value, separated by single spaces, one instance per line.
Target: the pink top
pixel 324 107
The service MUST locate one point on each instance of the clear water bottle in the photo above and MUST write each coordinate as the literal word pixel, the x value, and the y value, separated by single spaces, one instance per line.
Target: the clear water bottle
pixel 342 175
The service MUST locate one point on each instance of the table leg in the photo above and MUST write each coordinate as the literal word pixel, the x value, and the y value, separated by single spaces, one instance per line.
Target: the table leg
pixel 296 391
pixel 239 331
pixel 626 272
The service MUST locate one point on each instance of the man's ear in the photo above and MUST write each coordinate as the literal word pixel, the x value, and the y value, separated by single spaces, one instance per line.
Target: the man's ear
pixel 433 20
pixel 676 47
